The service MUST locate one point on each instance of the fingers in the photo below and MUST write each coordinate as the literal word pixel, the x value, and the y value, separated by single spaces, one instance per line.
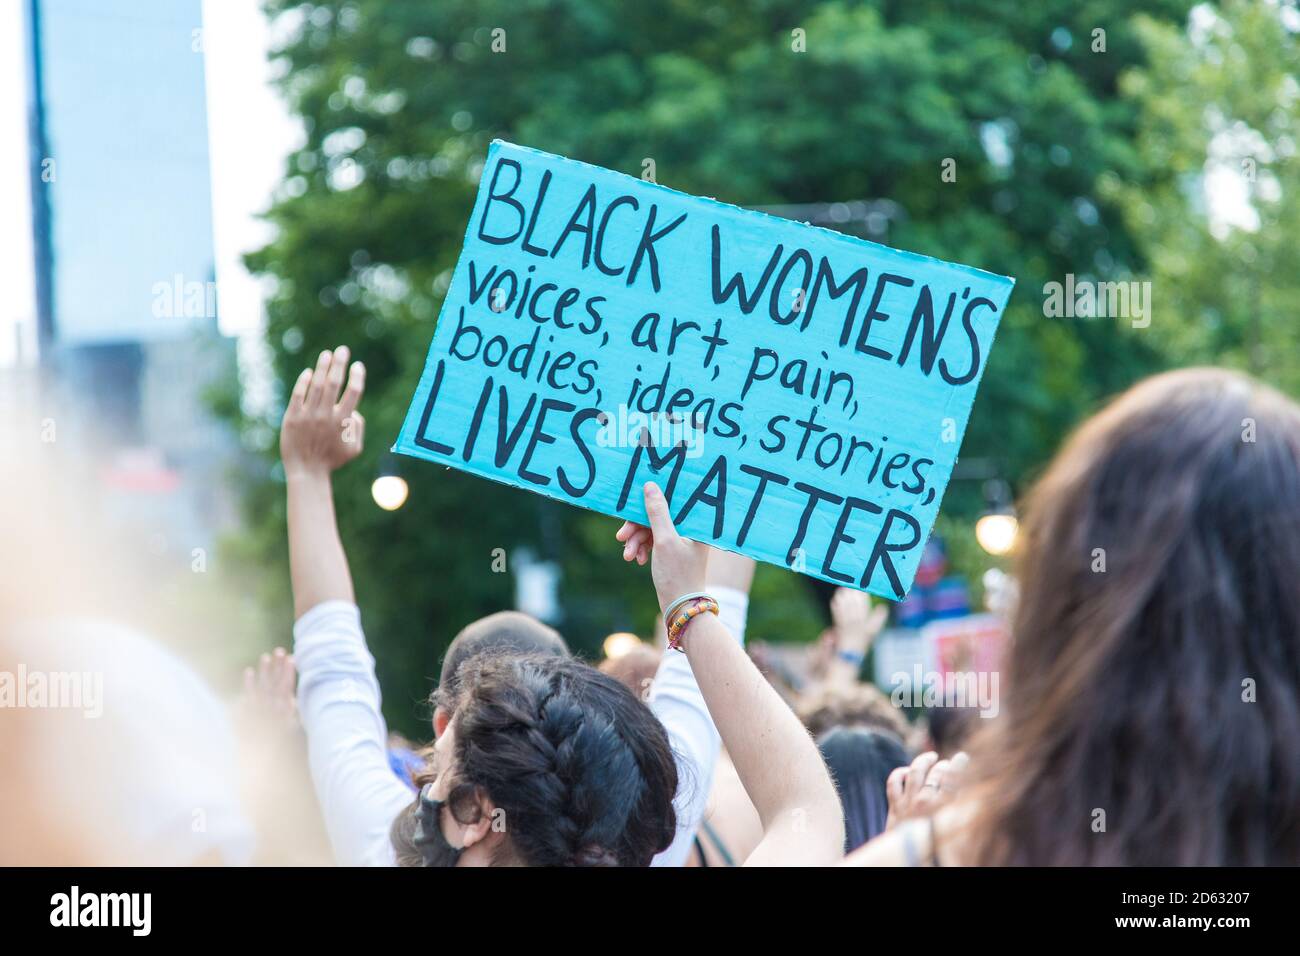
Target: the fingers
pixel 282 682
pixel 352 394
pixel 916 790
pixel 850 610
pixel 917 773
pixel 637 541
pixel 853 605
pixel 338 370
pixel 316 390
pixel 299 394
pixel 894 785
pixel 269 686
pixel 957 770
pixel 935 778
pixel 264 675
pixel 656 506
pixel 637 544
pixel 284 673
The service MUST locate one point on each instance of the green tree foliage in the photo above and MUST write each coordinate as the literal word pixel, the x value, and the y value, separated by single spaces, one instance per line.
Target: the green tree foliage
pixel 1219 120
pixel 757 102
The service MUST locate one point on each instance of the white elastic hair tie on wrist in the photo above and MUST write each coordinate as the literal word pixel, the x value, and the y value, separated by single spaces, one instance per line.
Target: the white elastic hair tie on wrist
pixel 672 608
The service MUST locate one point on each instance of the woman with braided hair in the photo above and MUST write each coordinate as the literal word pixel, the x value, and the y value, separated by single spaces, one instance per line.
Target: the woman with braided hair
pixel 547 762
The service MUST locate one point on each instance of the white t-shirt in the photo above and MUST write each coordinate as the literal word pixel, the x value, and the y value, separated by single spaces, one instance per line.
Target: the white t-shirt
pixel 347 739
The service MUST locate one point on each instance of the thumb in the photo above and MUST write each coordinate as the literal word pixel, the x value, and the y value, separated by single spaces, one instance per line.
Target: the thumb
pixel 656 508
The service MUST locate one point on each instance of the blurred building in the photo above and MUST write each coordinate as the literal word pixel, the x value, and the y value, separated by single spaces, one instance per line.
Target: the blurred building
pixel 126 306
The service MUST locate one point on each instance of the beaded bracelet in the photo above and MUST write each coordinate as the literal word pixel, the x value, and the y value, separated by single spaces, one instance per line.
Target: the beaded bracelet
pixel 681 602
pixel 693 608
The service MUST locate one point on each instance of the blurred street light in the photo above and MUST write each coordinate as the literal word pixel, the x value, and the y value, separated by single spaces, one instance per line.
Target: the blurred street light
pixel 389 489
pixel 620 644
pixel 997 532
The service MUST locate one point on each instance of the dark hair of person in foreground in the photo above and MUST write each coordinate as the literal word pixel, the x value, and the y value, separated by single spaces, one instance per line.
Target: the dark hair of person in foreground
pixel 576 765
pixel 1152 693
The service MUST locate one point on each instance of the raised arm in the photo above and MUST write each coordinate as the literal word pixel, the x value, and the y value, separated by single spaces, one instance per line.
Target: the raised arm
pixel 775 758
pixel 338 694
pixel 321 431
pixel 856 624
pixel 678 703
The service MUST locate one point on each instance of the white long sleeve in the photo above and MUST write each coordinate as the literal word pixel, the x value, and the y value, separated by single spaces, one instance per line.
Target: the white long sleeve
pixel 347 739
pixel 676 700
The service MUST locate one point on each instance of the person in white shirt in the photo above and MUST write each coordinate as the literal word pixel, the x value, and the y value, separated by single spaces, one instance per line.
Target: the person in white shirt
pixel 338 694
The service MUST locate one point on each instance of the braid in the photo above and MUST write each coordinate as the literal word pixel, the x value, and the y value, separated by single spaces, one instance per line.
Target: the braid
pixel 593 813
pixel 580 768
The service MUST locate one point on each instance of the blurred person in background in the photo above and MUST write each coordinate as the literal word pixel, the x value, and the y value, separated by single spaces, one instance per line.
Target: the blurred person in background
pixel 860 762
pixel 862 706
pixel 861 734
pixel 31 832
pixel 504 631
pixel 130 742
pixel 1153 679
pixel 117 751
pixel 634 669
pixel 405 759
pixel 277 781
pixel 949 729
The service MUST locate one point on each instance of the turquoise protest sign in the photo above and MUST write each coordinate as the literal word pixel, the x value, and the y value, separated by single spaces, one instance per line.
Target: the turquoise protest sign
pixel 800 395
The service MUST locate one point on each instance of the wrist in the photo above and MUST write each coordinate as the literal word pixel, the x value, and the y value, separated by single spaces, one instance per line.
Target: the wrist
pixel 670 598
pixel 850 656
pixel 853 638
pixel 683 612
pixel 853 647
pixel 303 473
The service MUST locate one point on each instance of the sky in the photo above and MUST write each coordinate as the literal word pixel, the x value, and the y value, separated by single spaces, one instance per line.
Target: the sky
pixel 250 132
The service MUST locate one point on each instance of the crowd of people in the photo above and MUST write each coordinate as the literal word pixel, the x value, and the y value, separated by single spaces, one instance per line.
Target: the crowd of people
pixel 1152 682
pixel 1150 694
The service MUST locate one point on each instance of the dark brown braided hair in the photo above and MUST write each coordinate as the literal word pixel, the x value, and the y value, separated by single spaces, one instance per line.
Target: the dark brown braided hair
pixel 581 769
